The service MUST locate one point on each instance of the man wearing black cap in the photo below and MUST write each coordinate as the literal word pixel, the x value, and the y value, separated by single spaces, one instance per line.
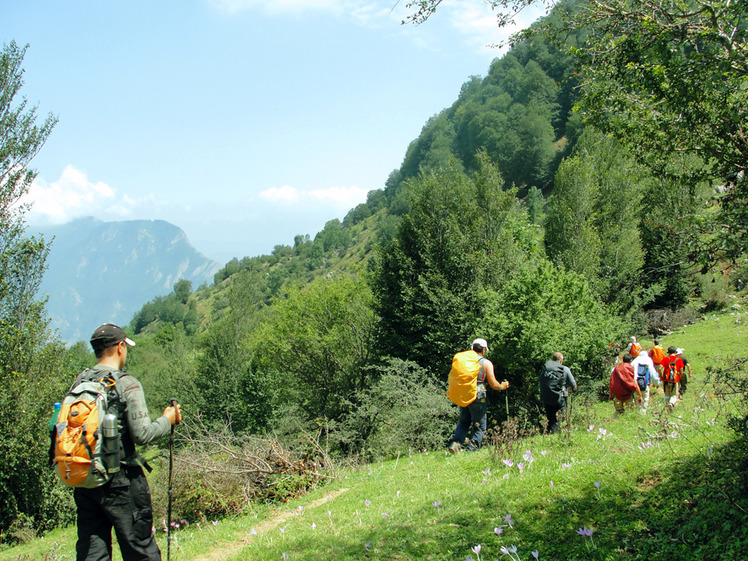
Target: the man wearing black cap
pixel 124 502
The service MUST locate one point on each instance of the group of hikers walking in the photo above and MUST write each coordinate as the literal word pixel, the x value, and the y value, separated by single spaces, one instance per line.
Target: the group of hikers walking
pixel 636 376
pixel 639 373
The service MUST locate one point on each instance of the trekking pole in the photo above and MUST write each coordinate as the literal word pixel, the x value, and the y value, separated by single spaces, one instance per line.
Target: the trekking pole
pixel 506 399
pixel 171 478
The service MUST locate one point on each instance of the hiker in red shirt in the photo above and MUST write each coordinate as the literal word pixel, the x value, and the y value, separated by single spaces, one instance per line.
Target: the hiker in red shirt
pixel 623 386
pixel 672 368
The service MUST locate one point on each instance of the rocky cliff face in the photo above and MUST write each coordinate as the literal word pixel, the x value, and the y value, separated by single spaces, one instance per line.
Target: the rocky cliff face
pixel 106 271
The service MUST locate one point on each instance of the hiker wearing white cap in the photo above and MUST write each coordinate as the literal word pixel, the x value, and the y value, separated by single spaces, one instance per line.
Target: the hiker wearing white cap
pixel 470 373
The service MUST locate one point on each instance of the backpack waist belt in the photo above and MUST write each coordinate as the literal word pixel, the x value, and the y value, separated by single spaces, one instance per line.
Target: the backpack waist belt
pixel 137 460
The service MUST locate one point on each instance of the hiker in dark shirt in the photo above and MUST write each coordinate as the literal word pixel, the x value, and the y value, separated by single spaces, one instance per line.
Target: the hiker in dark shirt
pixel 685 374
pixel 124 502
pixel 554 384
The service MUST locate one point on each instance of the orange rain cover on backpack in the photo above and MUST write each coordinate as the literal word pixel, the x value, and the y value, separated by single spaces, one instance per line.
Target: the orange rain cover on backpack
pixel 73 450
pixel 657 354
pixel 463 378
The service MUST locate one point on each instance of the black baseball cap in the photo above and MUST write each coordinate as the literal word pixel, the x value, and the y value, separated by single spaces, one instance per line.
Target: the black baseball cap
pixel 109 335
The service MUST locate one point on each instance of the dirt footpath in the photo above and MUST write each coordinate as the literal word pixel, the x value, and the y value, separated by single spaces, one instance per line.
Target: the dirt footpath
pixel 230 549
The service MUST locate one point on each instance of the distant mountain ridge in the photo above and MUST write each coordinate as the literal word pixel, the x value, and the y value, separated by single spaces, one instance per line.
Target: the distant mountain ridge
pixel 106 271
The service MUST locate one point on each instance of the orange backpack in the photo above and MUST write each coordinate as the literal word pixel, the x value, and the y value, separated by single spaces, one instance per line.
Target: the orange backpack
pixel 657 353
pixel 636 348
pixel 463 377
pixel 85 440
pixel 670 372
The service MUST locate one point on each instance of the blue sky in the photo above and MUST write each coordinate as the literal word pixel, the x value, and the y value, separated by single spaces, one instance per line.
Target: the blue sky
pixel 244 122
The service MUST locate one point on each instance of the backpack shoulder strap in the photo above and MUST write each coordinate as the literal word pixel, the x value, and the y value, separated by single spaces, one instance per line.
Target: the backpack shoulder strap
pixel 482 372
pixel 78 379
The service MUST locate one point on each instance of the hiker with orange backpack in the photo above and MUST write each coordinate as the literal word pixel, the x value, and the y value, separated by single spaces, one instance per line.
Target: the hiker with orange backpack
pixel 470 373
pixel 634 348
pixel 672 368
pixel 123 500
pixel 657 354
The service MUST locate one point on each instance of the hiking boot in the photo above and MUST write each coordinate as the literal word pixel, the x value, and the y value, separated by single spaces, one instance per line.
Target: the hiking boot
pixel 471 447
pixel 454 447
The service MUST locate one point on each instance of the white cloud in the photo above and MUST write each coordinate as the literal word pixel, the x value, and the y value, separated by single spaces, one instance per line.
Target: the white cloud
pixel 472 19
pixel 73 195
pixel 284 194
pixel 342 197
pixel 479 23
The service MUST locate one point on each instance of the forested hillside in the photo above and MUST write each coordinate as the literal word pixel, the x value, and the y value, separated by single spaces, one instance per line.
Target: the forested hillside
pixel 509 218
pixel 531 212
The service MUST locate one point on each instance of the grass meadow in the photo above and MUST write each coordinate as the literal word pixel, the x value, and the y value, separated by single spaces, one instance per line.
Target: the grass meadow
pixel 655 486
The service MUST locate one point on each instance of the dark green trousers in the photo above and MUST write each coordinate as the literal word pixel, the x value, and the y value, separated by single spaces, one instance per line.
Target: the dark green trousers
pixel 122 504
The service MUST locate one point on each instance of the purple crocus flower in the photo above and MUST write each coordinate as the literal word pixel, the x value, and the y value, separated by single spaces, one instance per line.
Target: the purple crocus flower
pixel 509 463
pixel 535 554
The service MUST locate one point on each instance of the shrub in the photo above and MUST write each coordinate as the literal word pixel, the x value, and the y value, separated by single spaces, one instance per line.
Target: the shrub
pixel 731 384
pixel 661 322
pixel 217 473
pixel 404 410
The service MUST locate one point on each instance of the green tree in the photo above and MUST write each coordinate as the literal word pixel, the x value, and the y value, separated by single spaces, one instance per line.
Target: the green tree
pixel 540 310
pixel 315 344
pixel 182 290
pixel 594 215
pixel 461 236
pixel 229 390
pixel 32 369
pixel 536 206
